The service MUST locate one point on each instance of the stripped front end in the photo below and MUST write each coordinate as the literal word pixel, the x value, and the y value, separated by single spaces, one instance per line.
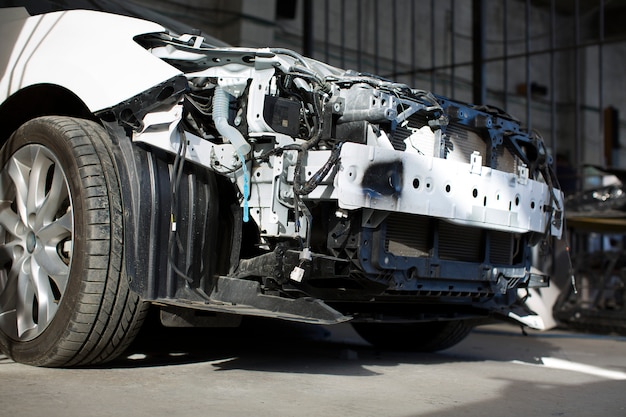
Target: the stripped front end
pixel 376 200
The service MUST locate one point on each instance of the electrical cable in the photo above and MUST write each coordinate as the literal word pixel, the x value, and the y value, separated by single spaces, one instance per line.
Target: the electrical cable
pixel 318 177
pixel 174 238
pixel 293 54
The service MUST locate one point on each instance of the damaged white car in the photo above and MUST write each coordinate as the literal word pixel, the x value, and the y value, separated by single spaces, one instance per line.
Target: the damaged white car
pixel 140 167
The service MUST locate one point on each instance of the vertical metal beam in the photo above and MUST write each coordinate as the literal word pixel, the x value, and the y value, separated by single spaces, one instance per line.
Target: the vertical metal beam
pixel 452 50
pixel 577 92
pixel 359 53
pixel 433 47
pixel 307 29
pixel 376 33
pixel 609 155
pixel 413 43
pixel 342 21
pixel 326 30
pixel 505 54
pixel 394 40
pixel 478 52
pixel 527 62
pixel 553 121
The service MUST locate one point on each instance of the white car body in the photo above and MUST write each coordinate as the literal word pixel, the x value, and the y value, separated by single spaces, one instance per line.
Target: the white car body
pixel 358 198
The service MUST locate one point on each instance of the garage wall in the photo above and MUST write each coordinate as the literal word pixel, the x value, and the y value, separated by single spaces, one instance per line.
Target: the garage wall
pixel 554 64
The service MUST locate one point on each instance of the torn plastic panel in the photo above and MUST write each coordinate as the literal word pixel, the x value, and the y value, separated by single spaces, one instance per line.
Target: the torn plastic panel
pixel 132 112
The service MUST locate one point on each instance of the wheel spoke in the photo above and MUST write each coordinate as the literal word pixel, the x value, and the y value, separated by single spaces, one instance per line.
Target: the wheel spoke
pixel 9 220
pixel 53 233
pixel 24 302
pixel 16 300
pixel 46 303
pixel 48 255
pixel 37 183
pixel 9 290
pixel 49 261
pixel 19 173
pixel 12 258
pixel 54 199
pixel 10 253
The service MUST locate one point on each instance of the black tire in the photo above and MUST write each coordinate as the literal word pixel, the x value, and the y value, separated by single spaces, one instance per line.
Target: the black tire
pixel 414 337
pixel 64 298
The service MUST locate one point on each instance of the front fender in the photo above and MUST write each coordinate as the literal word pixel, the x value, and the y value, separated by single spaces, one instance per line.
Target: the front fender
pixel 91 54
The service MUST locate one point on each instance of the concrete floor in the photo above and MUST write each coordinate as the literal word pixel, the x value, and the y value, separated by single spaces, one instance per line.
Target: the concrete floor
pixel 274 369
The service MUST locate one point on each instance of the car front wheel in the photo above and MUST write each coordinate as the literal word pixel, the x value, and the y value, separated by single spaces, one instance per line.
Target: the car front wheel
pixel 64 299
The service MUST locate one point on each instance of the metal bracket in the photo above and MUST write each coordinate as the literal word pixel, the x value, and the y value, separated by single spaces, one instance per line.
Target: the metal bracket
pixel 476 163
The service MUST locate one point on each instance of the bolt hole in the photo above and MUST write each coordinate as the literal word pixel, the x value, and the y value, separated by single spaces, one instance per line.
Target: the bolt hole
pixel 448 188
pixel 475 192
pixel 416 183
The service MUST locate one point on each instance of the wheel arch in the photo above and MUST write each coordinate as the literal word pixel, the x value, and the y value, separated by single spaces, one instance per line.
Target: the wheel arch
pixel 39 100
pixel 207 233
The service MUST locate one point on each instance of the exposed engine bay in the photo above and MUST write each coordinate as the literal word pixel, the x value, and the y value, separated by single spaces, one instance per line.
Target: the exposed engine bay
pixel 144 170
pixel 361 191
